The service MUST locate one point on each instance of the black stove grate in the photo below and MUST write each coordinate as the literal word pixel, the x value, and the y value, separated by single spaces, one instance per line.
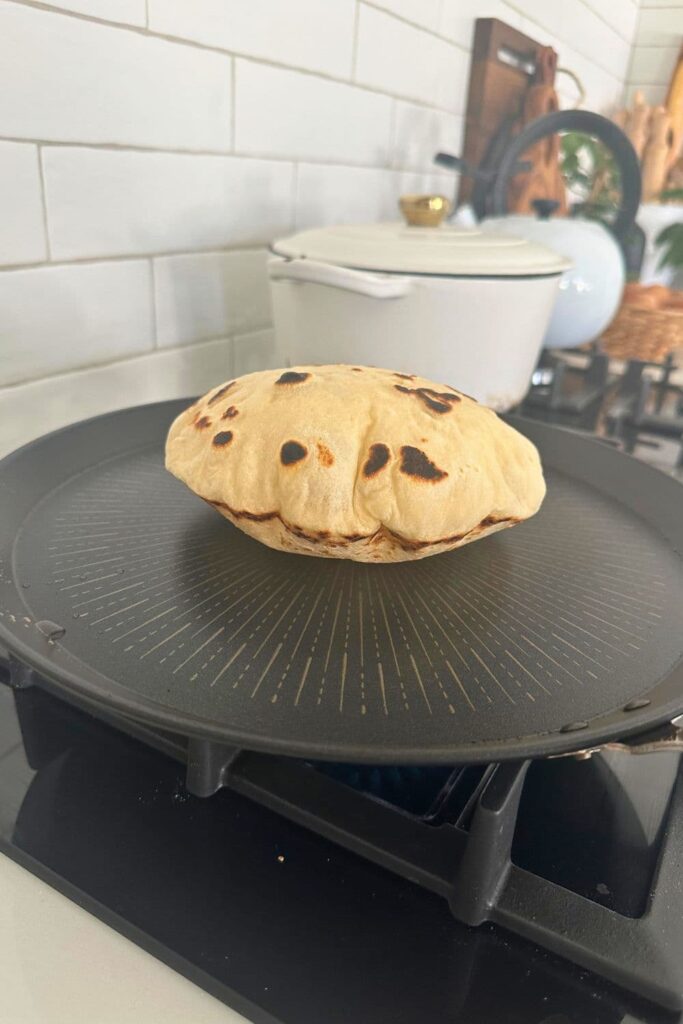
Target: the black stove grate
pixel 460 833
pixel 279 923
pixel 637 405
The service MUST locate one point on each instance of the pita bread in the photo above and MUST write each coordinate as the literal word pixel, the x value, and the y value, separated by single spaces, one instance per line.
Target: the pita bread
pixel 354 462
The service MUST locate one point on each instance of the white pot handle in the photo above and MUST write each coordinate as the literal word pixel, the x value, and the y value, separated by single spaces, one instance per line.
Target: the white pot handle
pixel 376 286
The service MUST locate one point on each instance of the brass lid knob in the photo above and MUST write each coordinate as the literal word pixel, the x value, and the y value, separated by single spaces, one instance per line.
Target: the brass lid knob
pixel 424 211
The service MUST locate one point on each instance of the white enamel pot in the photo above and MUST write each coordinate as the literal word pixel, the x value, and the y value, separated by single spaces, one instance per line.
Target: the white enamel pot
pixel 459 307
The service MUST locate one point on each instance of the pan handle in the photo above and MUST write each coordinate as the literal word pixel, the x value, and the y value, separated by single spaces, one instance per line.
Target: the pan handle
pixel 375 286
pixel 661 740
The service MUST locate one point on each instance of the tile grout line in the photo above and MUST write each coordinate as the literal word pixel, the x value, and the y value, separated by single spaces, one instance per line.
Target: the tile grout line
pixel 657 46
pixel 153 300
pixel 354 45
pixel 136 147
pixel 227 339
pixel 127 257
pixel 419 26
pixel 393 136
pixel 439 12
pixel 295 197
pixel 350 84
pixel 43 202
pixel 238 155
pixel 233 104
pixel 79 261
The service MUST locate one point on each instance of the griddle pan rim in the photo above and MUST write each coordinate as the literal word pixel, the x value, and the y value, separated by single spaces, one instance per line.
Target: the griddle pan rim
pixel 613 725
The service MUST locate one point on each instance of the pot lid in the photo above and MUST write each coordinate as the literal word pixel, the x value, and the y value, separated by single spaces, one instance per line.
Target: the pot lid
pixel 446 250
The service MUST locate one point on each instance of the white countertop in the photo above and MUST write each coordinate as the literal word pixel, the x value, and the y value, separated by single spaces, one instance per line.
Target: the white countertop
pixel 58 963
pixel 61 965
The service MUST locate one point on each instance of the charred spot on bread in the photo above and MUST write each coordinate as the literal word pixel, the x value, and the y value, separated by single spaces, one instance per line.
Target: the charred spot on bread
pixel 230 412
pixel 405 376
pixel 292 377
pixel 202 423
pixel 415 463
pixel 325 456
pixel 242 513
pixel 437 401
pixel 498 520
pixel 221 391
pixel 378 456
pixel 292 452
pixel 222 438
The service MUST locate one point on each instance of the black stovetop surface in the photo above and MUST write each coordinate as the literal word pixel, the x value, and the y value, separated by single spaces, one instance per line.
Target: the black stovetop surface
pixel 288 927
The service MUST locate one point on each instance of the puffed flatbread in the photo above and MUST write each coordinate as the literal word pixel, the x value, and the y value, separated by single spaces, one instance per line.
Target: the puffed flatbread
pixel 354 462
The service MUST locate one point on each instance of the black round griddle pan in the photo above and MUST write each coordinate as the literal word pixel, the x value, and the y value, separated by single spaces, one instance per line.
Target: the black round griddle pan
pixel 562 632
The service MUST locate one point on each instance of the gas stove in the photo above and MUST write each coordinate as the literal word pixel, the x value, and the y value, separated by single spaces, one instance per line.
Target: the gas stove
pixel 300 891
pixel 637 405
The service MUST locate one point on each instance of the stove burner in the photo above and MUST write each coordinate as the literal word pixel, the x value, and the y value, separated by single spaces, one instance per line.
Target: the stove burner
pixel 647 406
pixel 639 408
pixel 570 390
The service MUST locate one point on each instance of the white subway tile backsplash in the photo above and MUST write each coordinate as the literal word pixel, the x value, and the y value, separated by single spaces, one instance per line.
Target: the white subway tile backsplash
pixel 344 195
pixel 290 114
pixel 458 16
pixel 130 12
pixel 622 15
pixel 660 26
pixel 56 318
pixel 406 61
pixel 595 39
pixel 549 16
pixel 22 231
pixel 172 373
pixel 66 79
pixel 653 65
pixel 256 351
pixel 210 295
pixel 421 12
pixel 420 132
pixel 179 142
pixel 107 203
pixel 301 33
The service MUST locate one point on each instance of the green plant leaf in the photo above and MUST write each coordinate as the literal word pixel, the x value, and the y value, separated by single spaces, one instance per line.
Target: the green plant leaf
pixel 670 241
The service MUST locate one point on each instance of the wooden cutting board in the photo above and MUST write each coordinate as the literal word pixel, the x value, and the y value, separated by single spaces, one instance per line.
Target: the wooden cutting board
pixel 506 65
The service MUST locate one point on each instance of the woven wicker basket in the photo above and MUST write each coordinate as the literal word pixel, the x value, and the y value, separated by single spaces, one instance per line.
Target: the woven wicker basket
pixel 648 334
